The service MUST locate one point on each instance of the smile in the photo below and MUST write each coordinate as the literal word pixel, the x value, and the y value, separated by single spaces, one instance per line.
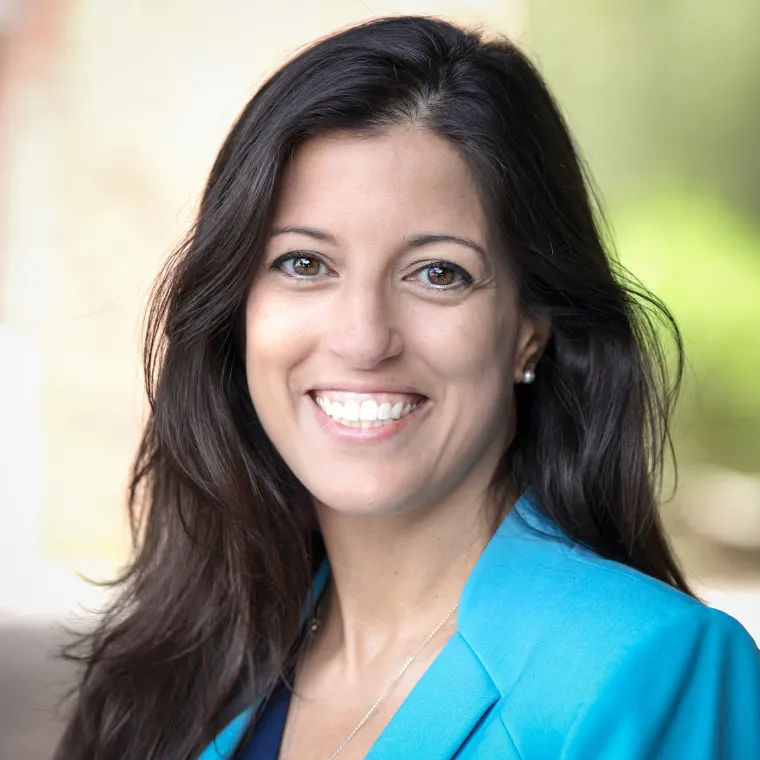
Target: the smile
pixel 367 410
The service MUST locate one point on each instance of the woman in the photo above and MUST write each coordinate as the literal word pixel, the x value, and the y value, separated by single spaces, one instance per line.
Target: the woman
pixel 400 474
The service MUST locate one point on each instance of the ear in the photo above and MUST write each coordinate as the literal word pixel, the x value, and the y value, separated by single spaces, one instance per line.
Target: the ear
pixel 533 334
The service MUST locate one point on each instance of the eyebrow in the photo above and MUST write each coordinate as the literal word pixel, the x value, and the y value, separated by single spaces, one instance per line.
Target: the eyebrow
pixel 411 242
pixel 417 241
pixel 311 232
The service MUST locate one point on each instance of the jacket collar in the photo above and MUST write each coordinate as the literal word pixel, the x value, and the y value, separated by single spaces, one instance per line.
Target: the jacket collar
pixel 442 710
pixel 503 595
pixel 474 669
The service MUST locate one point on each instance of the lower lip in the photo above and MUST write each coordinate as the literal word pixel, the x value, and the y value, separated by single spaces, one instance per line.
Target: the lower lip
pixel 358 435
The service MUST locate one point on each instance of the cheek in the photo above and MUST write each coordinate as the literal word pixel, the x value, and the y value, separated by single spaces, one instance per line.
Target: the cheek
pixel 267 321
pixel 276 337
pixel 468 344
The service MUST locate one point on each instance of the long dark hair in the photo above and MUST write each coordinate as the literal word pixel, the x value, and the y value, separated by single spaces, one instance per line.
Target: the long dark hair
pixel 207 615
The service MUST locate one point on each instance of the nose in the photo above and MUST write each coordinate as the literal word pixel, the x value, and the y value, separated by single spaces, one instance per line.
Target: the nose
pixel 364 332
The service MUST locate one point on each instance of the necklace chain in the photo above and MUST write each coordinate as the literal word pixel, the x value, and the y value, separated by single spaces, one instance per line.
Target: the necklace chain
pixel 378 701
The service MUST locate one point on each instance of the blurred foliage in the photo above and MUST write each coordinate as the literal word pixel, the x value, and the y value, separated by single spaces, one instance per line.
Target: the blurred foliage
pixel 656 89
pixel 703 261
pixel 663 97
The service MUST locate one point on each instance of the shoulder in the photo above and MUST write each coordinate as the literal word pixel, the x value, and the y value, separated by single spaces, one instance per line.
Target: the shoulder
pixel 533 583
pixel 558 626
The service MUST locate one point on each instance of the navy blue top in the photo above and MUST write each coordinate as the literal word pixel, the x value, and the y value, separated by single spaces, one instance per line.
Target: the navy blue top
pixel 267 736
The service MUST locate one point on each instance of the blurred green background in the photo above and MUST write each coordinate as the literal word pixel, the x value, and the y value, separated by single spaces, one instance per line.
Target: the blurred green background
pixel 664 99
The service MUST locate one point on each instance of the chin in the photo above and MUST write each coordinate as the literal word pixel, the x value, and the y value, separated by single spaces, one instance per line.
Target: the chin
pixel 361 500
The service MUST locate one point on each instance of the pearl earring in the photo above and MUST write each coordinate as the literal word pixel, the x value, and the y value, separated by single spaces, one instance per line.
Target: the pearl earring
pixel 528 376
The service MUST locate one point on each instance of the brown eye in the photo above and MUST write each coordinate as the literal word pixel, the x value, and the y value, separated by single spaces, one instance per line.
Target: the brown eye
pixel 300 266
pixel 441 276
pixel 305 266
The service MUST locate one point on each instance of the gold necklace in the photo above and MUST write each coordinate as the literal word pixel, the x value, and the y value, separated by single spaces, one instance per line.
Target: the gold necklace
pixel 378 701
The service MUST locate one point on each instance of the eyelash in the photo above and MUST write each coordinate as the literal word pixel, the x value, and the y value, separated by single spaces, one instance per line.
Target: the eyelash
pixel 466 279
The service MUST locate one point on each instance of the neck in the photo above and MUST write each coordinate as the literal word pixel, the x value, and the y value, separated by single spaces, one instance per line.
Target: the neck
pixel 393 578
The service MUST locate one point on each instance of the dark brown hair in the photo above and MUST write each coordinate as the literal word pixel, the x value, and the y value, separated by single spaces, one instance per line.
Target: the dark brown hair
pixel 207 613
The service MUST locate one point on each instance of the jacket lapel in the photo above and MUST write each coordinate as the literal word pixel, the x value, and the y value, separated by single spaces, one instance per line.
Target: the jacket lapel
pixel 442 709
pixel 456 690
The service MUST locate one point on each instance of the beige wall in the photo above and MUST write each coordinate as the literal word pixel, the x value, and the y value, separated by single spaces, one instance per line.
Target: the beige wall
pixel 112 113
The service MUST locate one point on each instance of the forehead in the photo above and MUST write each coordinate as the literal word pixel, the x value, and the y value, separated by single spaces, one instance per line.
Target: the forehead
pixel 400 181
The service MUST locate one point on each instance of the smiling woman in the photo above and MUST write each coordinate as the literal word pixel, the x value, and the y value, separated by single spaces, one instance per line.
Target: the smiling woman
pixel 378 295
pixel 397 496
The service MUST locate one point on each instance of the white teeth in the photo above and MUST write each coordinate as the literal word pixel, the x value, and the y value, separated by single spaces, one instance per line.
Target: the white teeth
pixel 367 414
pixel 368 411
pixel 350 411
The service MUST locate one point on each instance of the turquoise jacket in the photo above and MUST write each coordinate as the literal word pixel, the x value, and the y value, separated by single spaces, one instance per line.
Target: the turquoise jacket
pixel 563 655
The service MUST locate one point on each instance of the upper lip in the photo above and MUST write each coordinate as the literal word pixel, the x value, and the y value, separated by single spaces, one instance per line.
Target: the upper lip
pixel 364 387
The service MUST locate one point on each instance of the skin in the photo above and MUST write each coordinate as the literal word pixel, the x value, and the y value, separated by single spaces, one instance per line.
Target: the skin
pixel 404 519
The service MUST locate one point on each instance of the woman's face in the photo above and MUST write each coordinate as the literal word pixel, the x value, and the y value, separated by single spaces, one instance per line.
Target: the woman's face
pixel 382 339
